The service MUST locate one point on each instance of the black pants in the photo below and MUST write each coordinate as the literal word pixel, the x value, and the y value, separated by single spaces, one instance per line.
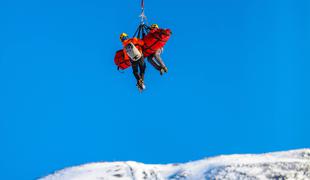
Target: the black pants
pixel 136 65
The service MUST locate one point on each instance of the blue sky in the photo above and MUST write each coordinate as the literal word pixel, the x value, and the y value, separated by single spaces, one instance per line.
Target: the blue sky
pixel 238 82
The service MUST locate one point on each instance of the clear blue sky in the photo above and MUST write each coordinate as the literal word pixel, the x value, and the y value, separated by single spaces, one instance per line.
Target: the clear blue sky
pixel 238 82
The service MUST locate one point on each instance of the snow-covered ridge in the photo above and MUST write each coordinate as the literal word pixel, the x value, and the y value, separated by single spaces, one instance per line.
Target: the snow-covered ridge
pixel 292 165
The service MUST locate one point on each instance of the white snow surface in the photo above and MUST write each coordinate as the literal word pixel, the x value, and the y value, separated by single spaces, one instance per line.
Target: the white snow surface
pixel 288 165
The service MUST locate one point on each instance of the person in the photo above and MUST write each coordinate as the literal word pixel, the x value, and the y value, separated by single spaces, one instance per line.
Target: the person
pixel 155 59
pixel 133 50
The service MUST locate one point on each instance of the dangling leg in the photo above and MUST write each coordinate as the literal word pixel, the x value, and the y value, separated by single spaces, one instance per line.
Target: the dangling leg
pixel 135 70
pixel 159 60
pixel 153 63
pixel 142 67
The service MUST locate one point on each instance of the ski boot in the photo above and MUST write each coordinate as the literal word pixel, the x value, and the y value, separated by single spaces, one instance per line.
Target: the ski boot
pixel 140 85
pixel 165 69
pixel 161 71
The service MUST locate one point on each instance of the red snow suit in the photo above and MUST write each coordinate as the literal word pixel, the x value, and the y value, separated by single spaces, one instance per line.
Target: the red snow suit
pixel 121 61
pixel 155 40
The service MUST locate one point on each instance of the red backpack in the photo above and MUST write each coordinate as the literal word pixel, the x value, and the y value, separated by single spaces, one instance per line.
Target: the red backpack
pixel 120 60
pixel 155 40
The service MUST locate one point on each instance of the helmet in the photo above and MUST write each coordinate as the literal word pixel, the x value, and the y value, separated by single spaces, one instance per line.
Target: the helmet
pixel 123 36
pixel 153 26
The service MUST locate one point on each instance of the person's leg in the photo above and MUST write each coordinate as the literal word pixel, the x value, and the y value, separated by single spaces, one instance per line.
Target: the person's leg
pixel 159 59
pixel 153 63
pixel 135 70
pixel 142 67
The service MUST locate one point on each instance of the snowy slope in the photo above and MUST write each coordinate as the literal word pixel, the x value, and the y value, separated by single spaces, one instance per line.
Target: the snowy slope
pixel 280 165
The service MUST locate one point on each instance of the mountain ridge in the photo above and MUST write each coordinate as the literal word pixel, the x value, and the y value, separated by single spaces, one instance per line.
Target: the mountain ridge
pixel 293 164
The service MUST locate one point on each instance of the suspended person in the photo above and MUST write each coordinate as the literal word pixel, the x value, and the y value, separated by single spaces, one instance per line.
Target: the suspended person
pixel 153 47
pixel 133 50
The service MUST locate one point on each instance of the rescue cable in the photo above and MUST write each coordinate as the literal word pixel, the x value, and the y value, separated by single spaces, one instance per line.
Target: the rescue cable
pixel 142 29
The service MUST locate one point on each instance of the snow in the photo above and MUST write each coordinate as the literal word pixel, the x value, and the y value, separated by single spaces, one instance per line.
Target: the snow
pixel 279 165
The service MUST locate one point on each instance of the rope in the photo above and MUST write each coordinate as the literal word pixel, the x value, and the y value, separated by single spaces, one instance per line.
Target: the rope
pixel 142 29
pixel 142 15
pixel 139 33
